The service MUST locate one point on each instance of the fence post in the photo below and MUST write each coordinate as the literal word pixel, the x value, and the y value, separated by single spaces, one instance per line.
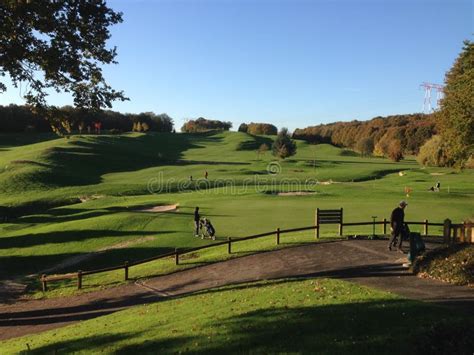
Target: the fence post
pixel 425 228
pixel 462 237
pixel 44 283
pixel 278 236
pixel 447 230
pixel 317 224
pixel 229 245
pixel 385 226
pixel 341 225
pixel 455 233
pixel 79 279
pixel 176 256
pixel 125 266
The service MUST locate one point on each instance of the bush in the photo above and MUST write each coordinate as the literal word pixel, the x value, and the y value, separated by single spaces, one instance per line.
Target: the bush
pixel 432 153
pixel 283 146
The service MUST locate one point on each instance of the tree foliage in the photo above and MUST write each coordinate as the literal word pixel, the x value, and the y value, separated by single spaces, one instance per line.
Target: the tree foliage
pixel 14 118
pixel 455 120
pixel 203 125
pixel 365 146
pixel 243 128
pixel 58 45
pixel 433 152
pixel 283 146
pixel 412 131
pixel 258 128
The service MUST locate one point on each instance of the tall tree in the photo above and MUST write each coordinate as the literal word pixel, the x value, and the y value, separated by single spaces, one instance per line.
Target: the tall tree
pixel 455 120
pixel 58 45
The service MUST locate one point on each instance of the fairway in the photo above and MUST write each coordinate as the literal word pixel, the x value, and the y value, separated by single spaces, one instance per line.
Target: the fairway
pixel 80 201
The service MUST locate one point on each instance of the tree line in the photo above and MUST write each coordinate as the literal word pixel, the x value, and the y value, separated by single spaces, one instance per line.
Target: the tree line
pixel 15 118
pixel 391 136
pixel 203 125
pixel 258 128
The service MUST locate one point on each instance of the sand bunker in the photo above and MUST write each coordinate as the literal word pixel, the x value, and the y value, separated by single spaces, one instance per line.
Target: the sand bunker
pixel 437 174
pixel 296 193
pixel 90 198
pixel 161 208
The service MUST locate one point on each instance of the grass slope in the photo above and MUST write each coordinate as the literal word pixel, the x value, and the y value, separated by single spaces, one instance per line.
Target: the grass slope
pixel 311 316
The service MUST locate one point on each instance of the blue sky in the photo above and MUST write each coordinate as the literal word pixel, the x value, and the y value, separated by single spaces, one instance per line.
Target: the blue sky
pixel 291 63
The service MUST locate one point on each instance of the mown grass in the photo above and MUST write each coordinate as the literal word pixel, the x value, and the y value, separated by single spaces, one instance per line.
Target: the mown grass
pixel 41 184
pixel 307 316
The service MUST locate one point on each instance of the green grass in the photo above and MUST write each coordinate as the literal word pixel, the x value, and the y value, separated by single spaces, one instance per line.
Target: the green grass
pixel 314 315
pixel 41 184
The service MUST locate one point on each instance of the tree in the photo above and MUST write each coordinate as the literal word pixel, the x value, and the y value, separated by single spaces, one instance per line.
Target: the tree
pixel 59 45
pixel 283 146
pixel 145 127
pixel 365 146
pixel 455 120
pixel 433 152
pixel 395 150
pixel 204 125
pixel 243 128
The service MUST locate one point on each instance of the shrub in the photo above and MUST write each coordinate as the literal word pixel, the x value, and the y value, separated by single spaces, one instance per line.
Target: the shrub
pixel 433 153
pixel 395 150
pixel 283 146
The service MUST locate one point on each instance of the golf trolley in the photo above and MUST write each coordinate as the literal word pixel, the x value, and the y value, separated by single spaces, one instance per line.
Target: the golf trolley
pixel 206 229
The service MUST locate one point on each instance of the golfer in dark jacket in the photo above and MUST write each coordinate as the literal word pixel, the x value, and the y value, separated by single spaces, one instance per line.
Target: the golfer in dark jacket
pixel 197 217
pixel 397 221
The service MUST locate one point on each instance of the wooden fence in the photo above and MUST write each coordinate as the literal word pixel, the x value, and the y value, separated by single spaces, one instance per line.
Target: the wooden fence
pixel 451 233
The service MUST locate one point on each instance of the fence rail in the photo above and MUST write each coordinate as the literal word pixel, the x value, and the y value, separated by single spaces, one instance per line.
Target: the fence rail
pixel 449 229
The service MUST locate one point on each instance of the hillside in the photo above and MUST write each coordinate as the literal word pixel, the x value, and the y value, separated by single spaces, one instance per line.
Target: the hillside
pixel 76 196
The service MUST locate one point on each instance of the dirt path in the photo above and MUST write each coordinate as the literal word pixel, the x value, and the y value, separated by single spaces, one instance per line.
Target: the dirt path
pixel 362 261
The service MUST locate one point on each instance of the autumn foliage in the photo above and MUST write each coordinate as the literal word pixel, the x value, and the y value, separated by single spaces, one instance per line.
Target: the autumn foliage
pixel 391 136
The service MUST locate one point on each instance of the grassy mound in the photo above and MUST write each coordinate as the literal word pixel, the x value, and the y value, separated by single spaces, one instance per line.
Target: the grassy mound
pixel 453 264
pixel 313 316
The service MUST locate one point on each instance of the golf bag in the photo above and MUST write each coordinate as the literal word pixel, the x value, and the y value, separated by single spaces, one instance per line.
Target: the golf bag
pixel 207 229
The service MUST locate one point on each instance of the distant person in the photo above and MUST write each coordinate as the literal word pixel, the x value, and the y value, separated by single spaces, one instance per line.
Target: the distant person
pixel 397 224
pixel 438 186
pixel 190 178
pixel 206 175
pixel 197 218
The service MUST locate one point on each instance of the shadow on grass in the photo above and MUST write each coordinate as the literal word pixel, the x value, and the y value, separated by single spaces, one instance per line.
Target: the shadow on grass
pixel 29 240
pixel 36 264
pixel 379 326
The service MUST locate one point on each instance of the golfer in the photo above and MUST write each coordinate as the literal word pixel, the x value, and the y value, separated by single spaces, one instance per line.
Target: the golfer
pixel 197 218
pixel 397 224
